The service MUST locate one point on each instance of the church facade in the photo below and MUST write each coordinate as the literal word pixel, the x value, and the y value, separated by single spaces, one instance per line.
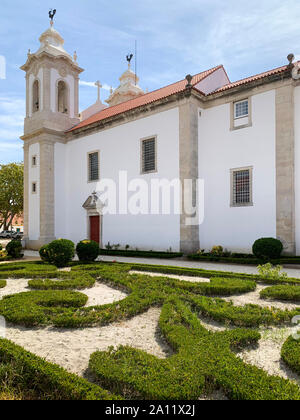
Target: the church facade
pixel 241 139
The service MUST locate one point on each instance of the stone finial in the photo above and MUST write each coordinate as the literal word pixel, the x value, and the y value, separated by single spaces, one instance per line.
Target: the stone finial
pixel 111 90
pixel 75 56
pixel 29 53
pixel 189 79
pixel 291 58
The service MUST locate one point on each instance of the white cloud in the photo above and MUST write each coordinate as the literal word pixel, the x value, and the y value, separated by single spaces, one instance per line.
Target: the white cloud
pixel 92 84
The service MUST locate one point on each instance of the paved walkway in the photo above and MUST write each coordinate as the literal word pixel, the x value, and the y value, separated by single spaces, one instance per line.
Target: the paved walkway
pixel 292 272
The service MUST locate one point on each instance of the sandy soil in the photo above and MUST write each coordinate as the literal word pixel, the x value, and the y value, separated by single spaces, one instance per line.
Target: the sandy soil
pixel 173 276
pixel 72 348
pixel 254 298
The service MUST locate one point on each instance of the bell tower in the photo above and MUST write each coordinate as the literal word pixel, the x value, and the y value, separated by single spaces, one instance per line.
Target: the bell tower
pixel 52 107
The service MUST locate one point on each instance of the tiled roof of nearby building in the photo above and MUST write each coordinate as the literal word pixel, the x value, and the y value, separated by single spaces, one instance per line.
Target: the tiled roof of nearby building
pixel 279 70
pixel 169 90
pixel 146 99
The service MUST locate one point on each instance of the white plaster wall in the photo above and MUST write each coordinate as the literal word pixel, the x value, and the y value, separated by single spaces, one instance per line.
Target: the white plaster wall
pixel 69 80
pixel 34 199
pixel 297 167
pixel 221 150
pixel 213 82
pixel 120 150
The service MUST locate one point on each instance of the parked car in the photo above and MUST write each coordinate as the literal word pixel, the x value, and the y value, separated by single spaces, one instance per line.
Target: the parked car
pixel 8 234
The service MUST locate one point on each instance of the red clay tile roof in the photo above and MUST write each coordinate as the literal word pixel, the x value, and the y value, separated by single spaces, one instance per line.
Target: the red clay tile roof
pixel 146 99
pixel 251 79
pixel 169 90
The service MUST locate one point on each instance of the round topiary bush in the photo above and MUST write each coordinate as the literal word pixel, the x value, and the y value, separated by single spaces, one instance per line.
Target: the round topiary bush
pixel 44 254
pixel 14 249
pixel 267 248
pixel 60 252
pixel 87 251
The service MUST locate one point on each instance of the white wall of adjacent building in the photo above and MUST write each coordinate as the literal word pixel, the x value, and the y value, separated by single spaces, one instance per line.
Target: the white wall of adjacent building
pixel 34 199
pixel 297 167
pixel 119 149
pixel 220 150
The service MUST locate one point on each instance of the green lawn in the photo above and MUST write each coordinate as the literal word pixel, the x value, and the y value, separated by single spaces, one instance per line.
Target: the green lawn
pixel 202 360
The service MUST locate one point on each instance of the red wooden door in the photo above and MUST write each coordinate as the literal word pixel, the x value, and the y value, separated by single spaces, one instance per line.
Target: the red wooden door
pixel 95 228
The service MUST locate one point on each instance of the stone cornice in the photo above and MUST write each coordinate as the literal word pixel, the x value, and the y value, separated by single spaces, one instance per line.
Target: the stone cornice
pixel 43 135
pixel 45 58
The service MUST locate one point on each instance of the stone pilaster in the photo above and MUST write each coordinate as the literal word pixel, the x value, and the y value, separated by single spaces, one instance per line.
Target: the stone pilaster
pixel 47 199
pixel 26 191
pixel 188 161
pixel 285 167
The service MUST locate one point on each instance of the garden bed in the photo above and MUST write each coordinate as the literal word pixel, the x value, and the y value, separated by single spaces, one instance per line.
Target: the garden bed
pixel 249 260
pixel 162 348
pixel 141 254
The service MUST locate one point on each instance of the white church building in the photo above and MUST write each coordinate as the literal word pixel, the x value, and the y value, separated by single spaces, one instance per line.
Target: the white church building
pixel 241 139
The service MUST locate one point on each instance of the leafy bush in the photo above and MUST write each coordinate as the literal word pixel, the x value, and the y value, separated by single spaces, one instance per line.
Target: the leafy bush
pixel 44 254
pixel 268 272
pixel 282 292
pixel 2 284
pixel 217 250
pixel 3 255
pixel 267 248
pixel 14 249
pixel 87 251
pixel 142 254
pixel 61 252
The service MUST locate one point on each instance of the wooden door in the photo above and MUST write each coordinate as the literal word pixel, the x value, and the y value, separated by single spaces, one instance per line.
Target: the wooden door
pixel 95 228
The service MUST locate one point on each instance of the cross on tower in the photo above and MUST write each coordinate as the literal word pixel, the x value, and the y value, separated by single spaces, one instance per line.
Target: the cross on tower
pixel 99 86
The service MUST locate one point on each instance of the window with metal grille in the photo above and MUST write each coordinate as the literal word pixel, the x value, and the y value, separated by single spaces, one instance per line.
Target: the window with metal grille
pixel 242 187
pixel 241 109
pixel 149 155
pixel 94 166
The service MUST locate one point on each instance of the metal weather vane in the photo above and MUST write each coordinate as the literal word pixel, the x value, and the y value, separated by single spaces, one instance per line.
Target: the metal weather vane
pixel 52 13
pixel 129 57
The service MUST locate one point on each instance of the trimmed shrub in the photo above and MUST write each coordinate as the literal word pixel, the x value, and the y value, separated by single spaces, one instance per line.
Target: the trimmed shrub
pixel 44 254
pixel 61 252
pixel 1 247
pixel 27 372
pixel 87 251
pixel 14 249
pixel 290 353
pixel 267 248
pixel 2 284
pixel 282 292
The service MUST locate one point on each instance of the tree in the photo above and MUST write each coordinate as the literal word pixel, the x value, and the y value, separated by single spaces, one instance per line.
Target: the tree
pixel 11 193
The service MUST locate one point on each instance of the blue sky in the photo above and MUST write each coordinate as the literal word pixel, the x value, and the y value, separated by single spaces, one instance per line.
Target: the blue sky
pixel 174 38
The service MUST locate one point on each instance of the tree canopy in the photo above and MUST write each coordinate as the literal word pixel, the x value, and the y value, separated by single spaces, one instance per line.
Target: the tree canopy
pixel 11 193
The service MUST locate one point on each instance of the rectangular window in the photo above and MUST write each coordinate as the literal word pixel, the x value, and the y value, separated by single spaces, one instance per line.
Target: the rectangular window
pixel 34 161
pixel 149 155
pixel 93 166
pixel 241 187
pixel 34 188
pixel 241 109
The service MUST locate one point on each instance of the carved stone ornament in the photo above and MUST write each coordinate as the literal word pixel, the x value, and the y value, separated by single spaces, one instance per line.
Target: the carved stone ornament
pixel 296 71
pixel 63 72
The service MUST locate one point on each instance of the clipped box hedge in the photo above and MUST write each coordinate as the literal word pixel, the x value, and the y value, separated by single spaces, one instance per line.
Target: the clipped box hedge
pixel 50 381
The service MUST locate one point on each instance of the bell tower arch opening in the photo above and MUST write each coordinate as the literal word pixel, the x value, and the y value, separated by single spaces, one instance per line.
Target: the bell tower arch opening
pixel 62 97
pixel 35 96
